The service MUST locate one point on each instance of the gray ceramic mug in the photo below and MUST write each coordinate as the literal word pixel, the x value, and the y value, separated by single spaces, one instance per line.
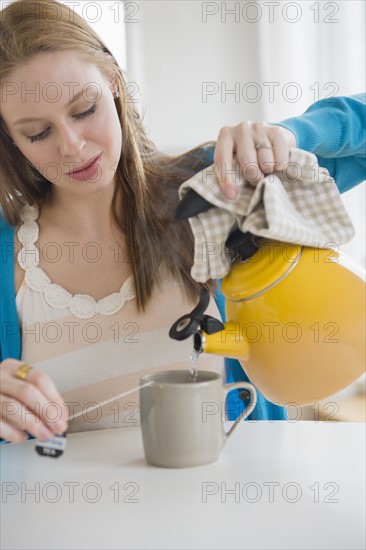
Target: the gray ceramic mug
pixel 182 422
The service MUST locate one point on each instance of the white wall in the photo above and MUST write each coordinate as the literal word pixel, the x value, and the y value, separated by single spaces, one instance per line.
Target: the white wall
pixel 172 52
pixel 107 19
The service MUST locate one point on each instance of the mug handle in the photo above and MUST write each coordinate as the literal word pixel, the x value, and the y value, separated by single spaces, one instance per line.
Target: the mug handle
pixel 249 409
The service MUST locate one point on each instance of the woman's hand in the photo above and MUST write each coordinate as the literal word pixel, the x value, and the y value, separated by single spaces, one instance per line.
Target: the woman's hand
pixel 32 405
pixel 258 147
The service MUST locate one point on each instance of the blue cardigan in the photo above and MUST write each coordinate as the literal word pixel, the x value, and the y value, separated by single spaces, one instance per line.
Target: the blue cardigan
pixel 333 129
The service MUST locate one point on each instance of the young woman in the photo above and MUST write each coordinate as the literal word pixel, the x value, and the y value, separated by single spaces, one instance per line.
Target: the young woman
pixel 100 269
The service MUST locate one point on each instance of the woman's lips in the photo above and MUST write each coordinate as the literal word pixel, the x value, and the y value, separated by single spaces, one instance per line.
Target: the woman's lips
pixel 88 171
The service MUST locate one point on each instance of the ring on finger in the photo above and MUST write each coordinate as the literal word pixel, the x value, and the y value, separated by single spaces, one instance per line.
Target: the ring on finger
pixel 23 371
pixel 263 145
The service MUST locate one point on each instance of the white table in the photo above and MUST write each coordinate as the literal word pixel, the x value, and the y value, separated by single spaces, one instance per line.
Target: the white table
pixel 277 485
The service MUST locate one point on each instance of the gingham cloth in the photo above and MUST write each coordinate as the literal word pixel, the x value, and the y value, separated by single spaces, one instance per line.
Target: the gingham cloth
pixel 300 204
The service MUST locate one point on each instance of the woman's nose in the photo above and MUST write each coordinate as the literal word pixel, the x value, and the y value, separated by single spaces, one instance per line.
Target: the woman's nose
pixel 71 142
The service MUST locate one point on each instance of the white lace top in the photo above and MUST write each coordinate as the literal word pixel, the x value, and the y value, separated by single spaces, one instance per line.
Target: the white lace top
pixel 80 305
pixel 94 350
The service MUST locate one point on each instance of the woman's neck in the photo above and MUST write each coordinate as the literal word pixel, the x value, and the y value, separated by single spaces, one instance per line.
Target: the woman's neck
pixel 81 215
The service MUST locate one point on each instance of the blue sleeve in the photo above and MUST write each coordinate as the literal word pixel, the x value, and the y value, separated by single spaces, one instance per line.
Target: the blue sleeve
pixel 9 327
pixel 10 341
pixel 334 130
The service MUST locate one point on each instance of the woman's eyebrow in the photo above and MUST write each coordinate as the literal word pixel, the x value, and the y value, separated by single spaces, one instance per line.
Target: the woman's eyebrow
pixel 32 119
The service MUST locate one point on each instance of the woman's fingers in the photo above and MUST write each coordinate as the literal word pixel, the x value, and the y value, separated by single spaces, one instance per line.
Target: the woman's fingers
pixel 16 418
pixel 258 147
pixel 37 396
pixel 53 409
pixel 282 141
pixel 11 433
pixel 30 405
pixel 264 148
pixel 246 153
pixel 225 163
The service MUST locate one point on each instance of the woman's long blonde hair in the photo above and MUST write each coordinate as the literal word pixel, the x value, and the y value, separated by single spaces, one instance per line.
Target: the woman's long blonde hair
pixel 147 180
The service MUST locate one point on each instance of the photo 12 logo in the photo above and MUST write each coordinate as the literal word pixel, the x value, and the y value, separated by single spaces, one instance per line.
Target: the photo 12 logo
pixel 91 12
pixel 268 491
pixel 70 492
pixel 253 12
pixel 253 92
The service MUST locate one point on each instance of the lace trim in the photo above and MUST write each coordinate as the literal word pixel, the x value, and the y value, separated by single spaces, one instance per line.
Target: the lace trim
pixel 82 306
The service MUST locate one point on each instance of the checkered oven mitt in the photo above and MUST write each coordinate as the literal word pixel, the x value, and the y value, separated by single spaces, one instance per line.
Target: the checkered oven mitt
pixel 300 204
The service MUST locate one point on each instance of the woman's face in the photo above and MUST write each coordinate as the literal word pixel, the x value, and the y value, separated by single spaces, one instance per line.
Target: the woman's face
pixel 73 120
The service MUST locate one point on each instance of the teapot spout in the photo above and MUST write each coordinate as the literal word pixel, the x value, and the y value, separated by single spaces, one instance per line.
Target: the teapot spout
pixel 228 342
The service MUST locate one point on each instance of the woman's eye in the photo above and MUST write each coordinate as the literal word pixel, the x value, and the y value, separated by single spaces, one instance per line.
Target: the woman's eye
pixel 89 112
pixel 37 137
pixel 43 134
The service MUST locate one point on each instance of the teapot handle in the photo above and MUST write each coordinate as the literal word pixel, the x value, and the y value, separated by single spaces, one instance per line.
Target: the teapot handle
pixel 191 205
pixel 251 406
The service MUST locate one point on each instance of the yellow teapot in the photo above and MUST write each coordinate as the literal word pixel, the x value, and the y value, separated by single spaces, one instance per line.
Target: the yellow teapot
pixel 295 320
